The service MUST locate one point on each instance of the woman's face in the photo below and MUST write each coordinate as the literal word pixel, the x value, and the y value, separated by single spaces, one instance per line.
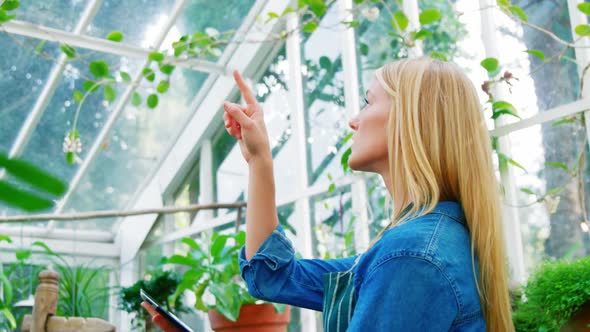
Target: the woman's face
pixel 369 147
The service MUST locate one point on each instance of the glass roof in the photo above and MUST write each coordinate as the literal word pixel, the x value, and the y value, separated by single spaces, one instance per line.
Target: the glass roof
pixel 141 136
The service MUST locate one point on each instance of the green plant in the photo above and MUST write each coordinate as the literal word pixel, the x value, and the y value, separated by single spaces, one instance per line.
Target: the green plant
pixel 160 285
pixel 215 268
pixel 553 293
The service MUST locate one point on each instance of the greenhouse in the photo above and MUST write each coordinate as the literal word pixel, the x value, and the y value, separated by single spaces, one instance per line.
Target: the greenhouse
pixel 142 144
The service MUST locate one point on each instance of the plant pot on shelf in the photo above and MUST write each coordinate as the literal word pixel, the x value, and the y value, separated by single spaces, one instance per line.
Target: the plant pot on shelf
pixel 579 321
pixel 253 318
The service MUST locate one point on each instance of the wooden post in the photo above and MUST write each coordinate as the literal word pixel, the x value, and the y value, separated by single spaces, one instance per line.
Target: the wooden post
pixel 45 300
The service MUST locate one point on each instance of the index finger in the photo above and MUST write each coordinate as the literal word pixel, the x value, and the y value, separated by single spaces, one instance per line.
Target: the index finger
pixel 244 89
pixel 149 309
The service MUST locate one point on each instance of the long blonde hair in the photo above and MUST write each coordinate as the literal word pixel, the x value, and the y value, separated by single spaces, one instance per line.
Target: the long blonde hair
pixel 440 149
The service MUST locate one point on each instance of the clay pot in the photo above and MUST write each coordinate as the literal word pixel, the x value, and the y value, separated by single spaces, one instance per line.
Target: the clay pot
pixel 579 320
pixel 253 318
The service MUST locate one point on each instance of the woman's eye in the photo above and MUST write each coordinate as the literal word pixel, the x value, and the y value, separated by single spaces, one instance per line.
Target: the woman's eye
pixel 365 102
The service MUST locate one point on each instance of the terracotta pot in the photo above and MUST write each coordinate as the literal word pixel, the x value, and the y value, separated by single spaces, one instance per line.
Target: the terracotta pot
pixel 579 320
pixel 253 318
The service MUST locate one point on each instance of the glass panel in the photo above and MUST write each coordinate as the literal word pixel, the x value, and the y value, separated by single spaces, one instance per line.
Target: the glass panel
pixel 138 141
pixel 188 194
pixel 549 197
pixel 58 14
pixel 22 79
pixel 333 224
pixel 140 30
pixel 198 15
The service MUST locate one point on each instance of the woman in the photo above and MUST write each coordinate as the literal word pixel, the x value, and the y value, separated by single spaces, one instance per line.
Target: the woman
pixel 440 263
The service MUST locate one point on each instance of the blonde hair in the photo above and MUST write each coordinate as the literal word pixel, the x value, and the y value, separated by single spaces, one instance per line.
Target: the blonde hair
pixel 440 149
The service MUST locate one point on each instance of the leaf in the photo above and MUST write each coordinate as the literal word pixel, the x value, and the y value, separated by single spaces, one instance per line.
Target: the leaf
pixel 537 53
pixel 310 27
pixel 562 121
pixel 557 165
pixel 33 175
pixel 400 21
pixel 136 99
pixel 21 255
pixel 514 163
pixel 149 74
pixel 503 3
pixel 22 199
pixel 528 191
pixel 4 17
pixel 218 245
pixel 156 56
pixel 181 260
pixel 503 107
pixel 125 76
pixel 39 48
pixel 69 51
pixel 99 68
pixel 491 65
pixel 11 320
pixel 318 7
pixel 421 34
pixel 167 69
pixel 5 238
pixel 364 49
pixel 9 5
pixel 152 100
pixel 325 63
pixel 429 16
pixel 582 30
pixel 517 11
pixel 584 7
pixel 191 243
pixel 344 159
pixel 78 96
pixel 439 56
pixel 109 93
pixel 90 86
pixel 163 86
pixel 331 188
pixel 115 36
pixel 70 158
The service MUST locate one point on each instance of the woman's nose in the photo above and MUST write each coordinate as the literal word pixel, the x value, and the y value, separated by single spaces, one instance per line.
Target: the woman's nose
pixel 353 123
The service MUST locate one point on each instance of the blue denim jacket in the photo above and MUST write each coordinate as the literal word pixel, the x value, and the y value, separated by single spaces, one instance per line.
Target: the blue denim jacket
pixel 417 277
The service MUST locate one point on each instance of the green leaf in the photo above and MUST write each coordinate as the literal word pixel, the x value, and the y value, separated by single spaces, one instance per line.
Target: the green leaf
pixel 115 36
pixel 22 199
pixel 152 100
pixel 125 76
pixel 536 53
pixel 4 17
pixel 557 165
pixel 583 30
pixel 69 51
pixel 33 175
pixel 331 188
pixel 344 159
pixel 318 7
pixel 420 34
pixel 156 56
pixel 136 99
pixel 554 191
pixel 584 7
pixel 503 3
pixel 99 68
pixel 528 191
pixel 39 48
pixel 70 158
pixel 9 5
pixel 11 320
pixel 514 163
pixel 191 243
pixel 90 86
pixel 218 245
pixel 325 63
pixel 310 27
pixel 181 260
pixel 149 74
pixel 503 107
pixel 428 16
pixel 45 248
pixel 163 86
pixel 517 11
pixel 167 69
pixel 400 20
pixel 562 121
pixel 364 49
pixel 78 96
pixel 439 56
pixel 109 93
pixel 5 238
pixel 21 255
pixel 491 65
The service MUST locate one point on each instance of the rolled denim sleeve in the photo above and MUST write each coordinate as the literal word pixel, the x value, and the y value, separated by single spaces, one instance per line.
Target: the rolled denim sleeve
pixel 405 294
pixel 273 274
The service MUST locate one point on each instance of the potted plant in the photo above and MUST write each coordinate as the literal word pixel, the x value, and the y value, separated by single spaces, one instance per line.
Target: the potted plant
pixel 160 285
pixel 556 298
pixel 213 271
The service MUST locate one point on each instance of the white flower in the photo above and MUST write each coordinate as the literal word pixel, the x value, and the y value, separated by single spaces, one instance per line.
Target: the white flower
pixel 212 32
pixel 72 145
pixel 551 204
pixel 371 14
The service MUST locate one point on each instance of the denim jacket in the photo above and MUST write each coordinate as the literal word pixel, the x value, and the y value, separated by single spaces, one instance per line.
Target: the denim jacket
pixel 418 277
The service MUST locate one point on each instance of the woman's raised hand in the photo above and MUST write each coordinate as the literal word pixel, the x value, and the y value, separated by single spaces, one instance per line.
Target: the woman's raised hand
pixel 246 123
